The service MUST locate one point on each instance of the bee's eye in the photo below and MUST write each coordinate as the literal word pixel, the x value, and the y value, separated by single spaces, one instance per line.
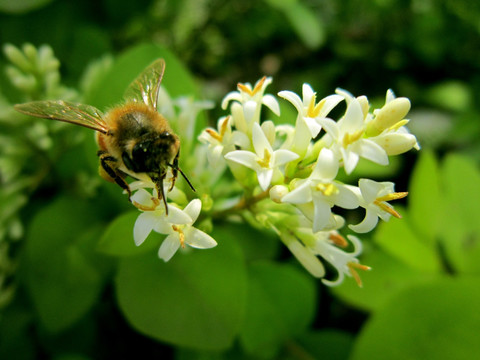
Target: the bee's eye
pixel 165 135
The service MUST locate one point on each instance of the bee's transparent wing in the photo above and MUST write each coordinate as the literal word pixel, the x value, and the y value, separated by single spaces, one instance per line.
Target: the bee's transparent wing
pixel 145 87
pixel 79 114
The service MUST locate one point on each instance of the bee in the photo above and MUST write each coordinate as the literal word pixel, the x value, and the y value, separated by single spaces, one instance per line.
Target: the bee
pixel 134 139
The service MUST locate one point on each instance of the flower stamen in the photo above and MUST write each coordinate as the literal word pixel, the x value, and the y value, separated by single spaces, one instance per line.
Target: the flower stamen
pixel 256 89
pixel 214 134
pixel 265 162
pixel 351 138
pixel 352 266
pixel 338 240
pixel 326 189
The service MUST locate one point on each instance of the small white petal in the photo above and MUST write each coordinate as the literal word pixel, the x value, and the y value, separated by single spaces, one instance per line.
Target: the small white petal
pixel 371 151
pixel 198 239
pixel 169 247
pixel 246 158
pixel 193 209
pixel 307 259
pixel 293 98
pixel 307 93
pixel 350 160
pixel 144 226
pixel 264 177
pixel 283 156
pixel 313 126
pixel 330 102
pixel 396 143
pixel 367 224
pixel 249 110
pixel 177 216
pixel 231 96
pixel 271 102
pixel 346 198
pixel 143 197
pixel 353 119
pixel 260 141
pixel 370 189
pixel 300 195
pixel 322 214
pixel 326 168
pixel 330 126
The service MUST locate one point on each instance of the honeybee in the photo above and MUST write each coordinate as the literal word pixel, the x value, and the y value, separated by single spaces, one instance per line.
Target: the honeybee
pixel 133 138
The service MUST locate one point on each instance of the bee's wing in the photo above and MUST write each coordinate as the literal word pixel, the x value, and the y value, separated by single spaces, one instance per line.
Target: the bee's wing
pixel 145 87
pixel 79 114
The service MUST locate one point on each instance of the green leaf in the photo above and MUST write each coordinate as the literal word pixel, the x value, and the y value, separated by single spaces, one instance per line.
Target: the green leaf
pixel 387 277
pixel 460 228
pixel 23 6
pixel 117 240
pixel 438 320
pixel 63 274
pixel 273 314
pixel 308 27
pixel 399 240
pixel 424 198
pixel 195 300
pixel 326 344
pixel 177 80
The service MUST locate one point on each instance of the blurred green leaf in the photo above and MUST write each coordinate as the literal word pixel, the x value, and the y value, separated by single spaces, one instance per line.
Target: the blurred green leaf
pixel 273 313
pixel 399 240
pixel 63 274
pixel 195 300
pixel 424 198
pixel 460 228
pixel 308 27
pixel 326 344
pixel 451 95
pixel 21 6
pixel 439 320
pixel 387 277
pixel 15 326
pixel 177 80
pixel 117 240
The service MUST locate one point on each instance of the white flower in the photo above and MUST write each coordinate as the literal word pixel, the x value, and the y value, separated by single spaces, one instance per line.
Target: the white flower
pixel 177 225
pixel 344 262
pixel 373 196
pixel 321 189
pixel 246 94
pixel 345 137
pixel 222 140
pixel 264 160
pixel 308 110
pixel 248 102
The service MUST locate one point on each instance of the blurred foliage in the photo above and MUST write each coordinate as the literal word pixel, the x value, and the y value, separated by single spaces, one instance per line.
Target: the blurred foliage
pixel 72 283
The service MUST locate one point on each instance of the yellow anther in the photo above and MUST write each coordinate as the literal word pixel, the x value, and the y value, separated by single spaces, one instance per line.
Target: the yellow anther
pixel 387 208
pixel 181 235
pixel 214 134
pixel 224 126
pixel 265 162
pixel 399 124
pixel 256 89
pixel 152 207
pixel 353 266
pixel 338 240
pixel 351 138
pixel 327 189
pixel 392 196
pixel 313 110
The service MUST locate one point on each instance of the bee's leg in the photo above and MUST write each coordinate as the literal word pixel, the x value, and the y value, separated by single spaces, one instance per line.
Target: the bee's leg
pixel 108 171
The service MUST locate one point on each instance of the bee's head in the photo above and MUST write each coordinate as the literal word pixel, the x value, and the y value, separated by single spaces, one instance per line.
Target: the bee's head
pixel 152 152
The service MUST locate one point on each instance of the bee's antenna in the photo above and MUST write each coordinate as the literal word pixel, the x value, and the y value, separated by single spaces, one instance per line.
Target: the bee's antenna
pixel 183 174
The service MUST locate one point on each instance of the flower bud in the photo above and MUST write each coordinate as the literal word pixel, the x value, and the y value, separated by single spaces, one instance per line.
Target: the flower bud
pixel 277 192
pixel 390 114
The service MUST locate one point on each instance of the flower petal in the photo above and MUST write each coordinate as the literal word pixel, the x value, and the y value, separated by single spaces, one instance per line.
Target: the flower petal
pixel 198 239
pixel 326 168
pixel 300 195
pixel 307 259
pixel 143 226
pixel 322 214
pixel 293 98
pixel 169 247
pixel 367 224
pixel 193 209
pixel 260 141
pixel 353 119
pixel 246 158
pixel 371 151
pixel 264 177
pixel 271 102
pixel 313 126
pixel 283 156
pixel 231 96
pixel 329 103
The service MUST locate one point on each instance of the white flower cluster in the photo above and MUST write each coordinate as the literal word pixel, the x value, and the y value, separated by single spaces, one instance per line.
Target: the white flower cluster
pixel 288 175
pixel 295 167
